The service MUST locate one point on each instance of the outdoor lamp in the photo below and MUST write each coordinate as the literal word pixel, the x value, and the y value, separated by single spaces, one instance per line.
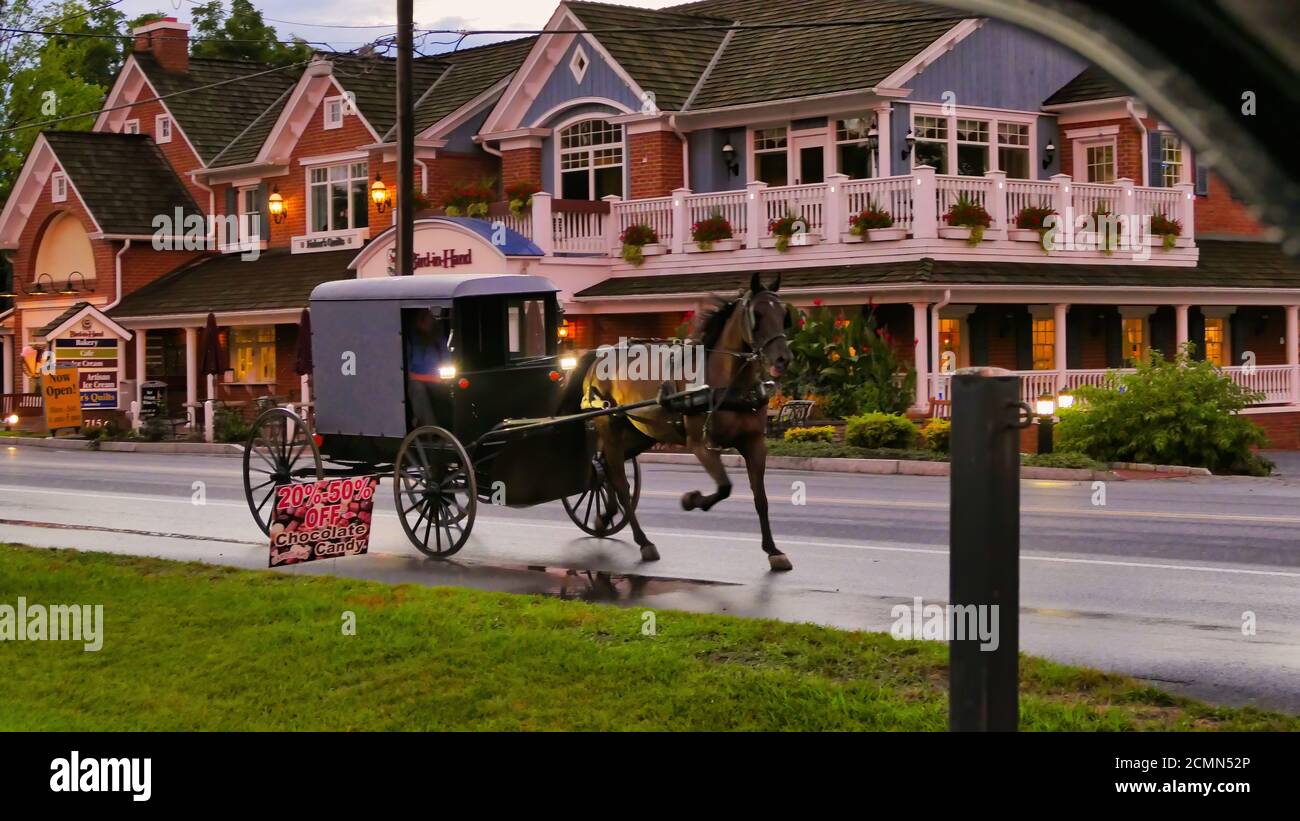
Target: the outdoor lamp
pixel 729 157
pixel 910 142
pixel 69 289
pixel 379 194
pixel 41 290
pixel 873 138
pixel 1048 153
pixel 11 419
pixel 1046 405
pixel 1065 399
pixel 275 204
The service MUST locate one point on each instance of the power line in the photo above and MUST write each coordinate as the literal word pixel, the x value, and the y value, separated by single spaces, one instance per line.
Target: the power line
pixel 312 25
pixel 103 36
pixel 813 24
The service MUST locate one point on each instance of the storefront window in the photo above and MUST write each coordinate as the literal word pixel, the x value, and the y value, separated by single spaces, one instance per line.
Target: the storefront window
pixel 950 341
pixel 1044 344
pixel 252 354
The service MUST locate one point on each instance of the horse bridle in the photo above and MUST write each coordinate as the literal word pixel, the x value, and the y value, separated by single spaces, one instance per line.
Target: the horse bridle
pixel 751 325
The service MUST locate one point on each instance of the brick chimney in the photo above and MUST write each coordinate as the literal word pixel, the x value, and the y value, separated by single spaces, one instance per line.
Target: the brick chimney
pixel 168 41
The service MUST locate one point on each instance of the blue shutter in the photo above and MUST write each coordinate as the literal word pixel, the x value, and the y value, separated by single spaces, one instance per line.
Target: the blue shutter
pixel 232 200
pixel 1202 178
pixel 1155 160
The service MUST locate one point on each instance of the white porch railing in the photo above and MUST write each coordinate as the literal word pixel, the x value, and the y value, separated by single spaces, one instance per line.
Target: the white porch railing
pixel 918 203
pixel 1274 381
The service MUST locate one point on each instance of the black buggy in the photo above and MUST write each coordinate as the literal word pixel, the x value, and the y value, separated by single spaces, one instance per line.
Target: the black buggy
pixel 498 437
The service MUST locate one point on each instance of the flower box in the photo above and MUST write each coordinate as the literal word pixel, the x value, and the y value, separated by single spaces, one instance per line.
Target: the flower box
pixel 795 241
pixel 1024 235
pixel 653 249
pixel 951 232
pixel 718 245
pixel 1158 241
pixel 886 234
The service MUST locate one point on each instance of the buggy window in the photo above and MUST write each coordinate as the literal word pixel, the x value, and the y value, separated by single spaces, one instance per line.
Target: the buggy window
pixel 526 328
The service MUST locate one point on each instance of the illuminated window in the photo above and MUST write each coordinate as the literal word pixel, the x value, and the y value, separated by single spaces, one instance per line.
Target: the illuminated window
pixel 1044 344
pixel 340 197
pixel 950 340
pixel 1215 350
pixel 1171 160
pixel 252 354
pixel 1134 339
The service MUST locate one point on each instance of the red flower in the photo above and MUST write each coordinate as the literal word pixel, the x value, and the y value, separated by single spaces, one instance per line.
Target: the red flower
pixel 817 303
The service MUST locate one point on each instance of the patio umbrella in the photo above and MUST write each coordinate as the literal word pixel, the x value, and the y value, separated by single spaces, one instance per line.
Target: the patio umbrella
pixel 302 363
pixel 214 360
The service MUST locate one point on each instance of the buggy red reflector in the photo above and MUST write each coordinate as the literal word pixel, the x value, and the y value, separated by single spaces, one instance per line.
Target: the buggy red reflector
pixel 318 439
pixel 463 383
pixel 555 376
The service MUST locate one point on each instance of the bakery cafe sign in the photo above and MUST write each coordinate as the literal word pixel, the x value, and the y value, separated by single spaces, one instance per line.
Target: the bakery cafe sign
pixel 447 258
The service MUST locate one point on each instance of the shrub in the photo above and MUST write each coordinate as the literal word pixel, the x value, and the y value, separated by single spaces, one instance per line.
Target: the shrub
pixel 230 426
pixel 966 213
pixel 710 230
pixel 839 450
pixel 873 216
pixel 634 237
pixel 155 429
pixel 880 430
pixel 1183 412
pixel 1061 459
pixel 786 227
pixel 937 435
pixel 819 433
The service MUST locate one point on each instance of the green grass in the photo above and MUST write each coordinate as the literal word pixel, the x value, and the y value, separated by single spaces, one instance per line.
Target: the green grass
pixel 196 647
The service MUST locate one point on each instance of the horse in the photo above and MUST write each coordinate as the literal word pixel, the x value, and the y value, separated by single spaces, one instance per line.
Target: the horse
pixel 739 337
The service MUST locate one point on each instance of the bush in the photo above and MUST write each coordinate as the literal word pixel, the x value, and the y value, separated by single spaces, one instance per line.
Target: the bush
pixel 839 450
pixel 821 433
pixel 880 430
pixel 1183 412
pixel 230 426
pixel 155 429
pixel 937 435
pixel 1061 459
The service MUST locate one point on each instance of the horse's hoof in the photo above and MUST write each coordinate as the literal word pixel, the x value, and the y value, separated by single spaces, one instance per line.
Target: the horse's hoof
pixel 649 553
pixel 691 500
pixel 780 562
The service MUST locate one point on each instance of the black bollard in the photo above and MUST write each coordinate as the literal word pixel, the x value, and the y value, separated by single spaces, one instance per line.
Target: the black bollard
pixel 984 548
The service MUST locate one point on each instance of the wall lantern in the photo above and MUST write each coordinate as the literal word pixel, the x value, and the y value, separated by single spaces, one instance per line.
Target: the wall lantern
pixel 1049 153
pixel 39 290
pixel 70 290
pixel 909 143
pixel 565 331
pixel 275 204
pixel 379 194
pixel 729 157
pixel 873 137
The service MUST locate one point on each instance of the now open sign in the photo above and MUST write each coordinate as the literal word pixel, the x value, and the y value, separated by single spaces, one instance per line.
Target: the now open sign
pixel 61 392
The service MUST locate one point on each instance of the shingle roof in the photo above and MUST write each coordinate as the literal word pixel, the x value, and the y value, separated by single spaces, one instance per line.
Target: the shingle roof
pixel 123 179
pixel 468 73
pixel 1091 84
pixel 1223 264
pixel 374 82
pixel 277 279
pixel 40 332
pixel 214 117
pixel 776 64
pixel 245 147
pixel 666 62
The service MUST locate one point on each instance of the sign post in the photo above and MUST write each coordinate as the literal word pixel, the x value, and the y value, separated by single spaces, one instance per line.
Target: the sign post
pixel 61 395
pixel 984 546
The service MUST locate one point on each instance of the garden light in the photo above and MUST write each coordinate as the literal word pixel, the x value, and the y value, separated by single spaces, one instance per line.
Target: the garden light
pixel 1065 399
pixel 1046 405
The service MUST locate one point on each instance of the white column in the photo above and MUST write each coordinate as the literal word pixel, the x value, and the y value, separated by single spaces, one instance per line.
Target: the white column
pixel 681 220
pixel 920 313
pixel 925 217
pixel 140 353
pixel 1059 347
pixel 755 223
pixel 543 228
pixel 1180 326
pixel 612 231
pixel 9 383
pixel 835 220
pixel 1187 208
pixel 884 145
pixel 997 205
pixel 1061 204
pixel 1293 349
pixel 191 375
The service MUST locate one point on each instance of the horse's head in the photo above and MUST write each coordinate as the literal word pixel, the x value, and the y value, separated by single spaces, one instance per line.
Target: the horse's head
pixel 766 320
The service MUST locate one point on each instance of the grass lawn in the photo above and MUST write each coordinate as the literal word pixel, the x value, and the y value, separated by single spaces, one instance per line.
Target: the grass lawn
pixel 195 647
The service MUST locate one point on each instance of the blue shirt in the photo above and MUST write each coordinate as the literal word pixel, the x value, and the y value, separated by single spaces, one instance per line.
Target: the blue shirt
pixel 425 357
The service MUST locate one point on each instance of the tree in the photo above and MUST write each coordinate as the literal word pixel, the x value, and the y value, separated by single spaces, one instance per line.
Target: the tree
pixel 241 34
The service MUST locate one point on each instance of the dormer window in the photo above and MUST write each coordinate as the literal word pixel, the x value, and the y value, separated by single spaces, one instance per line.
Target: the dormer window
pixel 334 110
pixel 59 187
pixel 163 129
pixel 591 160
pixel 131 127
pixel 578 64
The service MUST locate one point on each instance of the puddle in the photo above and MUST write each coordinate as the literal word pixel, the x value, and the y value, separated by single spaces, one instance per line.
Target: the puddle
pixel 602 586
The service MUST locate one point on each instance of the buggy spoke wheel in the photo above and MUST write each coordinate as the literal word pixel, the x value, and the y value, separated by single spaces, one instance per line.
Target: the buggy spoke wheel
pixel 596 510
pixel 435 491
pixel 285 452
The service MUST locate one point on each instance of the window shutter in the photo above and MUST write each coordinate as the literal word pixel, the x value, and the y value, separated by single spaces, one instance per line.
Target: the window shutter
pixel 1155 160
pixel 232 200
pixel 1163 336
pixel 1202 178
pixel 977 326
pixel 1196 332
pixel 1024 341
pixel 1114 340
pixel 1076 328
pixel 1238 331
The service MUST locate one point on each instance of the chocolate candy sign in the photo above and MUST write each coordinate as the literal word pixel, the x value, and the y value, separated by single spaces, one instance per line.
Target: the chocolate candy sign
pixel 322 520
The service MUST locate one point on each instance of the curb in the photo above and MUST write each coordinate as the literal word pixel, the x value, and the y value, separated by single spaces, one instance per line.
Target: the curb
pixel 907 467
pixel 171 448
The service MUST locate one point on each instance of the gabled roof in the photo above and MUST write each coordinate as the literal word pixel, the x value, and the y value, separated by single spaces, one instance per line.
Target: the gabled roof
pixel 214 117
pixel 64 320
pixel 467 74
pixel 275 280
pixel 1091 84
pixel 123 179
pixel 776 64
pixel 245 147
pixel 374 82
pixel 667 62
pixel 40 332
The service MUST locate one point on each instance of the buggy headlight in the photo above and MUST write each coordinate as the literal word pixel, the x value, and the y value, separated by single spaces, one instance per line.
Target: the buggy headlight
pixel 568 363
pixel 447 372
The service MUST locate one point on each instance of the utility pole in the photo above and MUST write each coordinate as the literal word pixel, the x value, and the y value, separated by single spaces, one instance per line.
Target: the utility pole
pixel 405 139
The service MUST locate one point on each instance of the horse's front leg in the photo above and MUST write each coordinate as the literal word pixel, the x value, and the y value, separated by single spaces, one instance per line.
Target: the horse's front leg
pixel 712 463
pixel 754 449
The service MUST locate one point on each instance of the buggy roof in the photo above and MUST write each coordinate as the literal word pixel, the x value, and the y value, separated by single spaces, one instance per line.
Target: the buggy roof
pixel 437 286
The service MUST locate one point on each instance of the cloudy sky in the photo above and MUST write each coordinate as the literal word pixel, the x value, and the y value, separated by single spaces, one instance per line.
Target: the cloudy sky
pixel 310 19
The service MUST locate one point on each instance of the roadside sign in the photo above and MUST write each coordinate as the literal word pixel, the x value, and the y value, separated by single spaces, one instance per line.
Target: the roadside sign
pixel 153 399
pixel 61 395
pixel 322 520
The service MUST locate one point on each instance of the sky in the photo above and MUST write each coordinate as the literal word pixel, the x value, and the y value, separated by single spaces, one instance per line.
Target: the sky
pixel 429 14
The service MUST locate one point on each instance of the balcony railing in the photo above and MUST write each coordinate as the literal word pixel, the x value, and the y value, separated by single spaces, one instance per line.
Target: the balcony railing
pixel 1275 382
pixel 917 203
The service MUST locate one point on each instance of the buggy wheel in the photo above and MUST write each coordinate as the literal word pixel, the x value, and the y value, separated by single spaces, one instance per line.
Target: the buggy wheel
pixel 279 451
pixel 596 510
pixel 435 491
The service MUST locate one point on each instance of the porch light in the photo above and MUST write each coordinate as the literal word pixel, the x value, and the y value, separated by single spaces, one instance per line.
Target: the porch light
pixel 1065 399
pixel 909 142
pixel 564 331
pixel 379 194
pixel 1049 151
pixel 1046 405
pixel 275 204
pixel 873 137
pixel 729 157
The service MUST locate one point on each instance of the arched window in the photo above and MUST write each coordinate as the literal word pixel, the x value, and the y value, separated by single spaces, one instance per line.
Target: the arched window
pixel 591 160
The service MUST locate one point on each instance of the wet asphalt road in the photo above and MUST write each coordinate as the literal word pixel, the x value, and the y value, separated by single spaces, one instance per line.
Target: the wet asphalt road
pixel 1154 583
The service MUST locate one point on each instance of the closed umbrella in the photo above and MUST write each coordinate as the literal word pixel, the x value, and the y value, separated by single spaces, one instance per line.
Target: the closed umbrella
pixel 302 363
pixel 214 360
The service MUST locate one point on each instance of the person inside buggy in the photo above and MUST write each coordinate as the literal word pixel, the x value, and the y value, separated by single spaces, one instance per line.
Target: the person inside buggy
pixel 426 357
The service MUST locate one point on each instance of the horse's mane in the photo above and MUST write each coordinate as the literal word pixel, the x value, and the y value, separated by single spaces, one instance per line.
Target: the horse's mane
pixel 710 323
